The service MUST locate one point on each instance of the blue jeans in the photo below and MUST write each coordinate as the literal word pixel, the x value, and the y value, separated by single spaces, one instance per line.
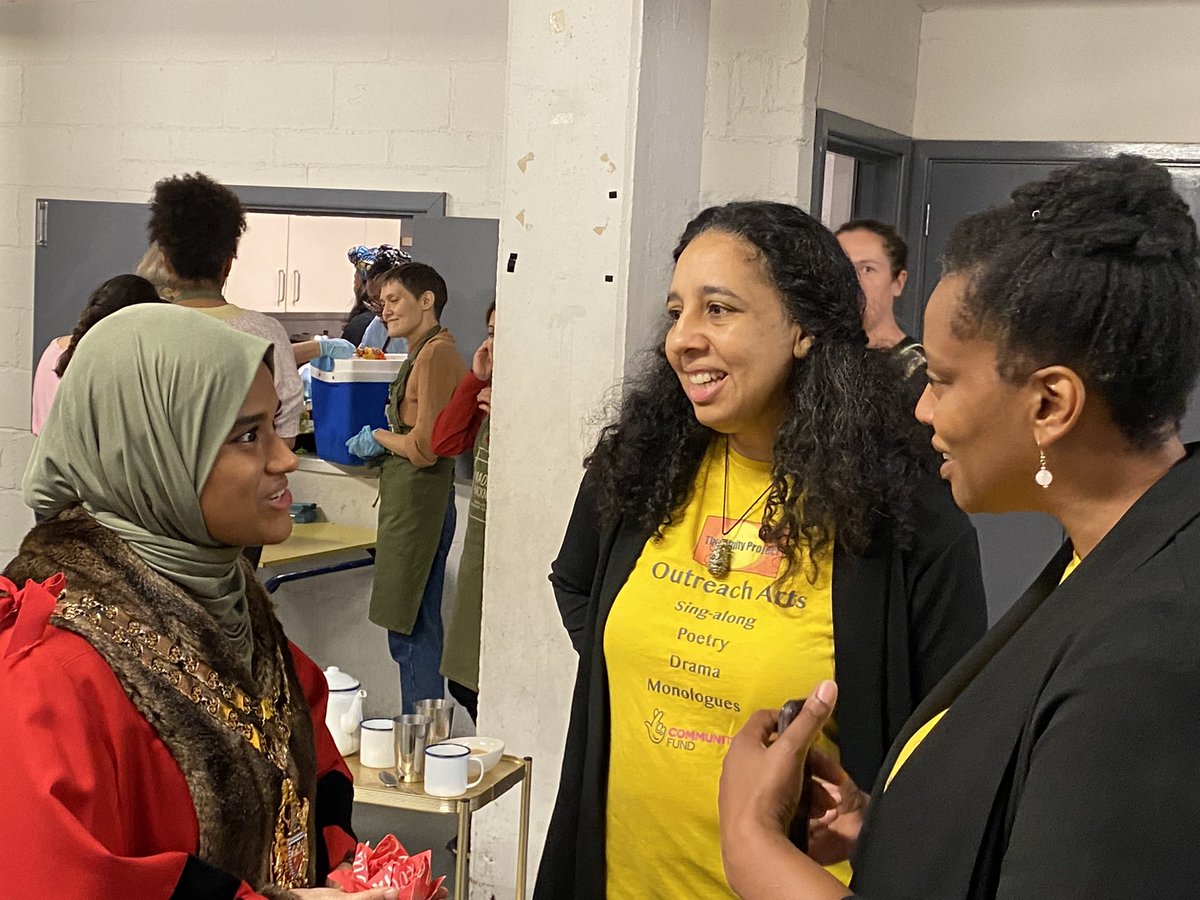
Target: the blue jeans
pixel 419 655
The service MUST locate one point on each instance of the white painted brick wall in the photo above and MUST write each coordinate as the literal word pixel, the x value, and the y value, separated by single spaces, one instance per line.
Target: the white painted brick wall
pixel 10 94
pixel 773 62
pixel 281 95
pixel 476 92
pixel 172 94
pixel 255 145
pixel 70 94
pixel 101 98
pixel 9 230
pixel 415 93
pixel 756 116
pixel 870 51
pixel 332 148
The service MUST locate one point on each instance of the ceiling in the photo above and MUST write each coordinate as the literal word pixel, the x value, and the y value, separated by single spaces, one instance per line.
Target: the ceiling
pixel 928 5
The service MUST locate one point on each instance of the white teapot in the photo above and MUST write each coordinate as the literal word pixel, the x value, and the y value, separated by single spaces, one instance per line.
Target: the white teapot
pixel 344 712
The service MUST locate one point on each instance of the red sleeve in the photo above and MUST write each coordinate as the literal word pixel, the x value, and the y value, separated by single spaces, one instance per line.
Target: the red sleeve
pixel 335 788
pixel 104 810
pixel 457 425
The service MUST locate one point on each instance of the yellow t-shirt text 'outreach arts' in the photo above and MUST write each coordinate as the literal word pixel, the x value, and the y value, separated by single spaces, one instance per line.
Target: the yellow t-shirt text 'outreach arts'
pixel 690 656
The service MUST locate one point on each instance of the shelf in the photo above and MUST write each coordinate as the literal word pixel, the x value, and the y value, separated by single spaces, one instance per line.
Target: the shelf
pixel 507 773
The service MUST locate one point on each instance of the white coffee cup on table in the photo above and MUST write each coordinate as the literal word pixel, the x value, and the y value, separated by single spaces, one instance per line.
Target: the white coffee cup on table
pixel 377 749
pixel 447 768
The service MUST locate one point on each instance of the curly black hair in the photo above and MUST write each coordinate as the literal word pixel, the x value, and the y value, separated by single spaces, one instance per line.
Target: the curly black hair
pixel 1094 268
pixel 844 456
pixel 197 222
pixel 114 294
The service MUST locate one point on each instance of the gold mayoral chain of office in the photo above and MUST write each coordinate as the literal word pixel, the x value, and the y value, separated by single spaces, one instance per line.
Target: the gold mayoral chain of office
pixel 261 722
pixel 721 554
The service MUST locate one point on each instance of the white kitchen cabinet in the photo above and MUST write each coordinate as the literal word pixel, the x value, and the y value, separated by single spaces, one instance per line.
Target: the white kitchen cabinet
pixel 381 231
pixel 297 263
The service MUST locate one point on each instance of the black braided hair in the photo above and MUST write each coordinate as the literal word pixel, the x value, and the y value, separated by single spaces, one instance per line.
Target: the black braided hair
pixel 1094 268
pixel 114 294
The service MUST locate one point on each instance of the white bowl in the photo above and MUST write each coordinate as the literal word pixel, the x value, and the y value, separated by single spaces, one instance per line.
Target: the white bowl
pixel 485 749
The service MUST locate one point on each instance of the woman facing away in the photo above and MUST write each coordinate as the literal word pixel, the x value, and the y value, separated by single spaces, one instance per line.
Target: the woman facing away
pixel 116 293
pixel 164 737
pixel 759 516
pixel 1058 759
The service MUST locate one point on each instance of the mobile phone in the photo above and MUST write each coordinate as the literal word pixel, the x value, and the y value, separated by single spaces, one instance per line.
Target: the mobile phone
pixel 787 713
pixel 798 830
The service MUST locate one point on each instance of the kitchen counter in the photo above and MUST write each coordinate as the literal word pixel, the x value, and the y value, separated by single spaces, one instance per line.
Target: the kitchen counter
pixel 313 540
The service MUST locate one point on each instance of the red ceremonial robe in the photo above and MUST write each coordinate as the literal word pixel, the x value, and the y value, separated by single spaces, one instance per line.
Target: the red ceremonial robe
pixel 95 806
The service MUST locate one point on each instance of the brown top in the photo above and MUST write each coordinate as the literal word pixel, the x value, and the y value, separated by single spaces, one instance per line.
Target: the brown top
pixel 435 374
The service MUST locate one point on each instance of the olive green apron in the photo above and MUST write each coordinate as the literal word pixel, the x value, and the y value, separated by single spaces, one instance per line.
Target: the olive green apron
pixel 460 656
pixel 412 507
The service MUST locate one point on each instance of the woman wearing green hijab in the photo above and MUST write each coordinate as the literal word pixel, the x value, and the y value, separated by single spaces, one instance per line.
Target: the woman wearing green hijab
pixel 171 740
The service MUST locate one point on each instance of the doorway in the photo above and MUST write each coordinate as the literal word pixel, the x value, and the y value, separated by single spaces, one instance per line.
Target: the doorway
pixel 860 171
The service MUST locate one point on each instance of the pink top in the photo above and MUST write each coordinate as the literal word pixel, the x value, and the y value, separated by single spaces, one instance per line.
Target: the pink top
pixel 45 386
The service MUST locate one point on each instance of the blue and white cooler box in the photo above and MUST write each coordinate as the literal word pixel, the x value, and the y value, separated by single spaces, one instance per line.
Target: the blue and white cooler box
pixel 344 399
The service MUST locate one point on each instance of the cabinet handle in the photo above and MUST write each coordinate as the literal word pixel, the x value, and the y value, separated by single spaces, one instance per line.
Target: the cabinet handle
pixel 282 287
pixel 295 287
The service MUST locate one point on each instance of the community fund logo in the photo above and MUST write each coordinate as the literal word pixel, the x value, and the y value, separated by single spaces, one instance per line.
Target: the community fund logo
pixel 656 728
pixel 686 739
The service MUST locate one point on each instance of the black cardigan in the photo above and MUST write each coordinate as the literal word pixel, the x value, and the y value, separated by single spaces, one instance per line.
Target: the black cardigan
pixel 1068 765
pixel 901 620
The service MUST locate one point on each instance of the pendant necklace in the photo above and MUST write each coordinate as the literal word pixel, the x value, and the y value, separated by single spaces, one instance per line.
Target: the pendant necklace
pixel 721 554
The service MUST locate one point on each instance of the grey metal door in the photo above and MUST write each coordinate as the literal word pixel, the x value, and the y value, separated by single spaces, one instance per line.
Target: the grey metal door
pixel 80 245
pixel 953 180
pixel 464 251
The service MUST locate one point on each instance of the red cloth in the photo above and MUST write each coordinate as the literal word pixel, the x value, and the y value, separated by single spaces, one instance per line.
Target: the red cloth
pixel 94 804
pixel 458 423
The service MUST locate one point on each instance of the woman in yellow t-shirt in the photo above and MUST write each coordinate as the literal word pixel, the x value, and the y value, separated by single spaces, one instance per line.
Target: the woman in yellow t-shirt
pixel 761 515
pixel 1059 758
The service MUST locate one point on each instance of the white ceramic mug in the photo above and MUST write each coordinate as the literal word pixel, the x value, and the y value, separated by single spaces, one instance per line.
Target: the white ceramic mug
pixel 446 770
pixel 377 750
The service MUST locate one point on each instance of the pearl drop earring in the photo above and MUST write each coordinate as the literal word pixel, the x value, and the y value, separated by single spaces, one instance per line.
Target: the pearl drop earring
pixel 1044 476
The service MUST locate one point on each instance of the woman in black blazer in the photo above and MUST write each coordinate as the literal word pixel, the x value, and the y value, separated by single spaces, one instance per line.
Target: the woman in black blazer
pixel 1064 340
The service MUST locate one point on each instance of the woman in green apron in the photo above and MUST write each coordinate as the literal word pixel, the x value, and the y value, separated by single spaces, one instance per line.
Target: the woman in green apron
pixel 464 425
pixel 416 509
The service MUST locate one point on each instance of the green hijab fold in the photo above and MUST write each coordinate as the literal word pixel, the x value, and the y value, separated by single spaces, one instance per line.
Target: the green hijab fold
pixel 136 425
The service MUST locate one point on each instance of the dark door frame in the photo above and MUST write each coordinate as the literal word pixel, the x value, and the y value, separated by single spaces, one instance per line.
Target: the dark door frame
pixel 340 201
pixel 926 153
pixel 884 160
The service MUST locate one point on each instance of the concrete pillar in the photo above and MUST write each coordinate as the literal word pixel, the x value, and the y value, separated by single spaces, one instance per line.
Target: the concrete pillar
pixel 604 120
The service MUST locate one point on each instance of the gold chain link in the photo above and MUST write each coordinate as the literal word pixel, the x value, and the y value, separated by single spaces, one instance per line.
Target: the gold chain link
pixel 260 722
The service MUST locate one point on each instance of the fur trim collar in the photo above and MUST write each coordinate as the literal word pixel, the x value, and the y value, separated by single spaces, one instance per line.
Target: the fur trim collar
pixel 236 791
